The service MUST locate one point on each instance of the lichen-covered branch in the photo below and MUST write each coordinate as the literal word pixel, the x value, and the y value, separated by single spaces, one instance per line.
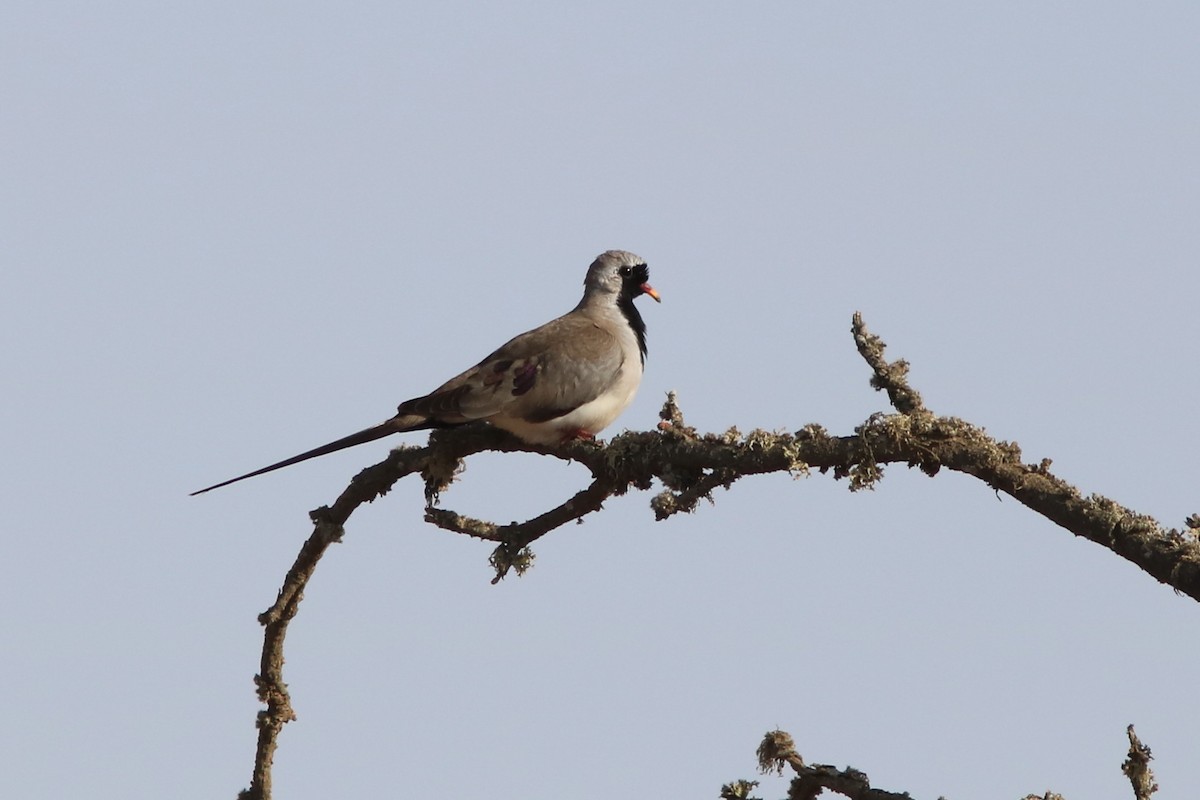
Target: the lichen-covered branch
pixel 1137 767
pixel 778 750
pixel 690 466
pixel 515 539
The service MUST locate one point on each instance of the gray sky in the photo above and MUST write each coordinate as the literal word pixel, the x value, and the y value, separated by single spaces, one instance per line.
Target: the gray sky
pixel 234 231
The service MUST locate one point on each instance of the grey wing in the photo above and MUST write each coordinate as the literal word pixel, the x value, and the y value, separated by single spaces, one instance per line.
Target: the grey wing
pixel 537 376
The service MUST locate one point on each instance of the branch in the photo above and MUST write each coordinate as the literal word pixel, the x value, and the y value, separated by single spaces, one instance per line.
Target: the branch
pixel 1137 767
pixel 1172 556
pixel 690 466
pixel 777 750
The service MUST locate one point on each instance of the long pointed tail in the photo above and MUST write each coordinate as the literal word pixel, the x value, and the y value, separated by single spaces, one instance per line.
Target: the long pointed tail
pixel 394 425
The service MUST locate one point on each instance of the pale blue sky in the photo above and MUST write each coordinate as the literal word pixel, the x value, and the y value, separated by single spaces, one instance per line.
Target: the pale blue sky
pixel 235 231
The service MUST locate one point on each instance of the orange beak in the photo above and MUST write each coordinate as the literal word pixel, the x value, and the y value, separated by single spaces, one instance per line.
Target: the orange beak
pixel 650 290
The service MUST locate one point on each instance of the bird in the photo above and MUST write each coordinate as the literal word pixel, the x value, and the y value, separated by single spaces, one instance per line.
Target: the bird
pixel 565 380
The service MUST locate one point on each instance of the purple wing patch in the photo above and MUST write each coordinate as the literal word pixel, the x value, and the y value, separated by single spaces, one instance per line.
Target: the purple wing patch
pixel 524 376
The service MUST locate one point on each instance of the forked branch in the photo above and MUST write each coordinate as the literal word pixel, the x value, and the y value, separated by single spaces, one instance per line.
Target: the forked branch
pixel 690 466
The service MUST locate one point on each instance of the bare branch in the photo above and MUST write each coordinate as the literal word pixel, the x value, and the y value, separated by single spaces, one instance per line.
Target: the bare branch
pixel 690 466
pixel 889 377
pixel 1170 555
pixel 518 536
pixel 778 749
pixel 1137 767
pixel 272 691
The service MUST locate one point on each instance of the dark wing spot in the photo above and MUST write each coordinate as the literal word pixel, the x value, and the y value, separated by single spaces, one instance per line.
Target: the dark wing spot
pixel 524 377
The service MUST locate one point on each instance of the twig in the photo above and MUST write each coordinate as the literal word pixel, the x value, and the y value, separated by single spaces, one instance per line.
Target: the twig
pixel 1137 767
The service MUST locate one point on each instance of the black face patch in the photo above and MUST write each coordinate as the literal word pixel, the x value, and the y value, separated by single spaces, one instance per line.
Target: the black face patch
pixel 638 274
pixel 631 287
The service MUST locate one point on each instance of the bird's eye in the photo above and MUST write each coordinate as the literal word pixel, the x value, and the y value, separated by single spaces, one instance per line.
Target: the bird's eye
pixel 625 271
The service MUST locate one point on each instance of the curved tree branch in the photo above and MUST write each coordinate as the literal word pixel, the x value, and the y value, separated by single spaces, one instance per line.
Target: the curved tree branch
pixel 690 466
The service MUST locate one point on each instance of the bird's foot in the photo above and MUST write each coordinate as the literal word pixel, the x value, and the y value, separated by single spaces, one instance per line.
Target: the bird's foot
pixel 578 434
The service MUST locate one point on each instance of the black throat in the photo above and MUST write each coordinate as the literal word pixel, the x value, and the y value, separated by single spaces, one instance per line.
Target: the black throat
pixel 630 312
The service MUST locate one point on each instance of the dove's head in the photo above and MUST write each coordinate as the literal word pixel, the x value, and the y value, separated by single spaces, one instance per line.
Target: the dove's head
pixel 619 274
